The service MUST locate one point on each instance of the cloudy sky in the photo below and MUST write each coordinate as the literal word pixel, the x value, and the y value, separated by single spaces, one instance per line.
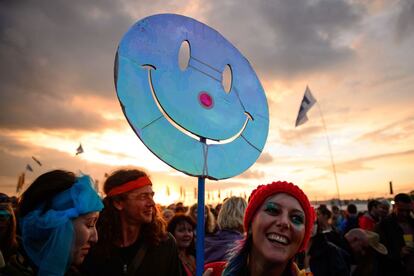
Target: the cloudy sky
pixel 57 90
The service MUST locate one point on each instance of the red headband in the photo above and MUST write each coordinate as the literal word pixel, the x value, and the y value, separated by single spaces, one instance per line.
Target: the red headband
pixel 262 192
pixel 131 185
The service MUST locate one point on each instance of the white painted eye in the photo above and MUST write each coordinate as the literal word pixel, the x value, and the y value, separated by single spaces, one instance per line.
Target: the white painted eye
pixel 227 78
pixel 184 55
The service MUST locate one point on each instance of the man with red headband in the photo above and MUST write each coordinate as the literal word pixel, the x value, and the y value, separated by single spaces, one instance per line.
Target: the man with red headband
pixel 133 239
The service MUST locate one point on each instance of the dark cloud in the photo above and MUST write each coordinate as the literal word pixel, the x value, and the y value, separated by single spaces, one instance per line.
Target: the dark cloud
pixel 405 20
pixel 287 38
pixel 52 51
pixel 30 111
pixel 9 144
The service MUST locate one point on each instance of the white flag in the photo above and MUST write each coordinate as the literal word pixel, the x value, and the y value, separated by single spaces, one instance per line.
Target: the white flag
pixel 307 102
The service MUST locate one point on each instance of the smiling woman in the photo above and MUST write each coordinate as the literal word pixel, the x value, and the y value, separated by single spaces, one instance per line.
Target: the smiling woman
pixel 278 221
pixel 182 227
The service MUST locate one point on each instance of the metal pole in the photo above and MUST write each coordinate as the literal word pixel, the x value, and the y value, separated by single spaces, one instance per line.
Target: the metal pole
pixel 200 228
pixel 330 153
pixel 200 224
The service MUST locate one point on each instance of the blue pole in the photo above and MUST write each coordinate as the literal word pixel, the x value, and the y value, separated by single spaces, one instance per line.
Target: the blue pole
pixel 200 228
pixel 200 225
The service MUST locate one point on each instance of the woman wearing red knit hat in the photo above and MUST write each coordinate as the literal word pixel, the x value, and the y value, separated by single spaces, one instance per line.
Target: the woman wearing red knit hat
pixel 278 222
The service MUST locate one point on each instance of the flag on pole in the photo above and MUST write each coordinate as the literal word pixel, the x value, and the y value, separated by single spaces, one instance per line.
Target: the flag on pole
pixel 79 150
pixel 20 183
pixel 37 161
pixel 219 196
pixel 307 102
pixel 29 168
pixel 96 185
pixel 168 191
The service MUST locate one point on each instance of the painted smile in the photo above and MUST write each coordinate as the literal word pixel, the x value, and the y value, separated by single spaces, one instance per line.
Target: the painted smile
pixel 179 127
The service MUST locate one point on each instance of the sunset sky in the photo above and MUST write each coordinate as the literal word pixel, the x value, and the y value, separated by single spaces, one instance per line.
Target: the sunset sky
pixel 57 90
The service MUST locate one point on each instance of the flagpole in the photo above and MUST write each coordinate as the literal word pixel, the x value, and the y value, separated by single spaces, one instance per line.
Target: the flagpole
pixel 330 152
pixel 200 223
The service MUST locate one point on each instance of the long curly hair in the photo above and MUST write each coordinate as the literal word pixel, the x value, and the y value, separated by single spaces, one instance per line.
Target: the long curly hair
pixel 109 223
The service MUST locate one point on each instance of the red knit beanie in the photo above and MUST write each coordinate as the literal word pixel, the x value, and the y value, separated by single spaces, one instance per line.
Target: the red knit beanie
pixel 262 192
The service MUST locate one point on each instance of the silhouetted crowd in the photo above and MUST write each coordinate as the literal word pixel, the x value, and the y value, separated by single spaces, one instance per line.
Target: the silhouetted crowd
pixel 61 226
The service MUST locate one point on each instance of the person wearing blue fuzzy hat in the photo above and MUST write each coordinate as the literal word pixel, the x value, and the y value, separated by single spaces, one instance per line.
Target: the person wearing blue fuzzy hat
pixel 57 216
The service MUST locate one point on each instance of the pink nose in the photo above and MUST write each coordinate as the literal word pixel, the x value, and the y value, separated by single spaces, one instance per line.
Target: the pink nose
pixel 205 99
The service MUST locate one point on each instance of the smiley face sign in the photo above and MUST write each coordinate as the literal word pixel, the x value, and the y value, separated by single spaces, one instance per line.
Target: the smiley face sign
pixel 191 96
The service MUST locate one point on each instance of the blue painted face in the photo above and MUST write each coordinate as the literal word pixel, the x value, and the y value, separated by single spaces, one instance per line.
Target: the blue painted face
pixel 171 106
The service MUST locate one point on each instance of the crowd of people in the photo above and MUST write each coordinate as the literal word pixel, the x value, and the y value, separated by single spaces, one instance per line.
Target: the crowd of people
pixel 61 226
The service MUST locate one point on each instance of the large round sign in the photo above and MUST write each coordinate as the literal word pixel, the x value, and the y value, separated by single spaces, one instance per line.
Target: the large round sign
pixel 179 81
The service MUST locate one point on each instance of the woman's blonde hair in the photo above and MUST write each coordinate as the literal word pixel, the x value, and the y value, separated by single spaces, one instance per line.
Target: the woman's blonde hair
pixel 232 213
pixel 210 221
